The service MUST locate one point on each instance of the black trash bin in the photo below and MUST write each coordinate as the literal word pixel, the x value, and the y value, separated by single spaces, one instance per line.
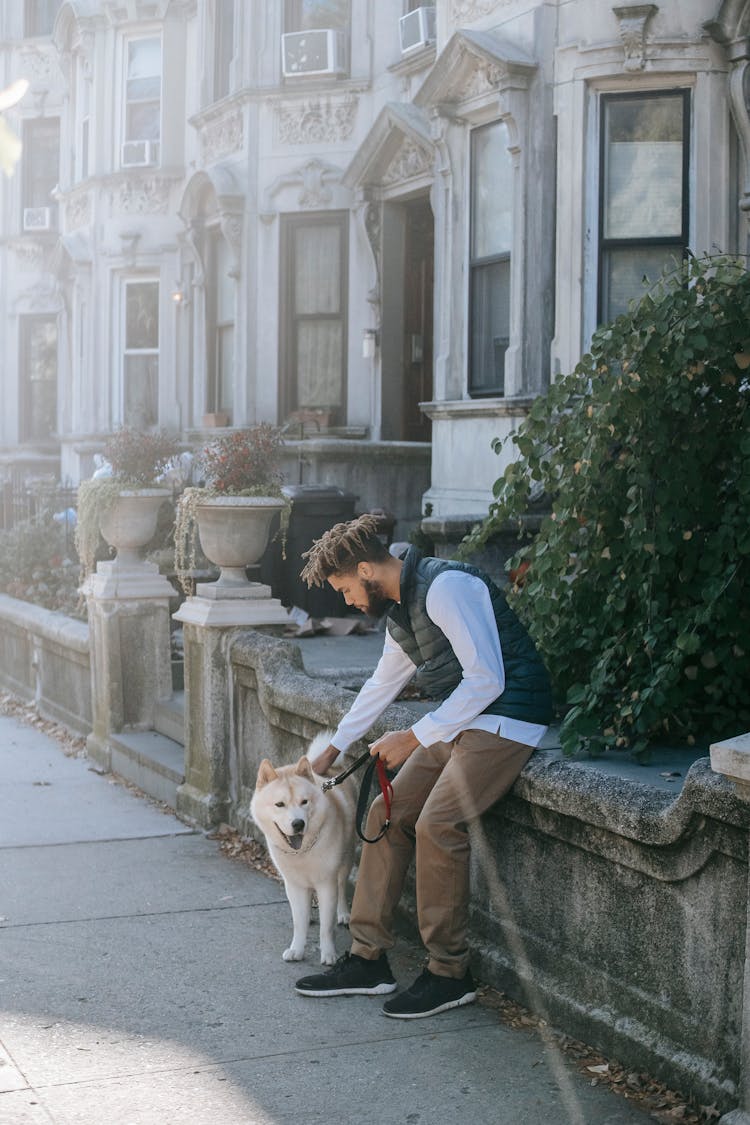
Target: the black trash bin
pixel 315 509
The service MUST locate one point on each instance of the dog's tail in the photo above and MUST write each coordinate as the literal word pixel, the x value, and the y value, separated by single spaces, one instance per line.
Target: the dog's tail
pixel 319 744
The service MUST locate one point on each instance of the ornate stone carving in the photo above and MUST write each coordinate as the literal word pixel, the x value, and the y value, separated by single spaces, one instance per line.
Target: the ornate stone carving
pixel 484 77
pixel 373 221
pixel 633 20
pixel 77 211
pixel 222 136
pixel 317 121
pixel 312 177
pixel 231 223
pixel 36 64
pixel 472 9
pixel 148 194
pixel 30 252
pixel 410 160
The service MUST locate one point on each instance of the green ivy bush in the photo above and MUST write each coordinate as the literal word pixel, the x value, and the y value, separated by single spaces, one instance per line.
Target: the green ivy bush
pixel 637 587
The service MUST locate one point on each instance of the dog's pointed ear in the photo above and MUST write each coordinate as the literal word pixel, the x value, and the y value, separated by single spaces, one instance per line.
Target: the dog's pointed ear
pixel 304 769
pixel 266 773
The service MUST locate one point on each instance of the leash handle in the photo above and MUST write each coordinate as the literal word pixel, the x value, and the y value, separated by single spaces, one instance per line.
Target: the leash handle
pixel 375 764
pixel 387 791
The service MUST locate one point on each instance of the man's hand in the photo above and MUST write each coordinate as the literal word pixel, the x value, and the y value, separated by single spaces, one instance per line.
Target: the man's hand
pixel 395 748
pixel 324 761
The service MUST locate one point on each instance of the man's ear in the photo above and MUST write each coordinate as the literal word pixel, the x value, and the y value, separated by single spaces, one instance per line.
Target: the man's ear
pixel 364 570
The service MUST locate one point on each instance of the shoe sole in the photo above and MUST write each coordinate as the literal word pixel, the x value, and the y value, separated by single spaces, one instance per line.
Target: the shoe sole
pixel 376 990
pixel 469 998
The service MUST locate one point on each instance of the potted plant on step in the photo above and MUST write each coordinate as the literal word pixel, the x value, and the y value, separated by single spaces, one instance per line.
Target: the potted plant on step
pixel 232 513
pixel 121 503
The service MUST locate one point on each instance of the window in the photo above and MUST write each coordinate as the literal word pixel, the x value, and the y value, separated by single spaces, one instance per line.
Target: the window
pixel 38 366
pixel 39 17
pixel 304 15
pixel 142 131
pixel 220 294
pixel 643 194
pixel 141 358
pixel 223 46
pixel 41 167
pixel 491 237
pixel 313 305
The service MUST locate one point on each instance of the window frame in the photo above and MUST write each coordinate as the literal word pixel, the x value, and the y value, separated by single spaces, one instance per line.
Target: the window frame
pixel 126 352
pixel 126 102
pixel 680 242
pixel 477 264
pixel 31 149
pixel 289 319
pixel 26 324
pixel 224 35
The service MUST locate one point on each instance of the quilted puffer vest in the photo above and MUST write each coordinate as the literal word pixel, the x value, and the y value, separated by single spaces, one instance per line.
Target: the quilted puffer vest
pixel 527 695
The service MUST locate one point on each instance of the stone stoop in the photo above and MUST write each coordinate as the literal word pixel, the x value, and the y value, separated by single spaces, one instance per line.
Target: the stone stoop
pixel 169 719
pixel 150 760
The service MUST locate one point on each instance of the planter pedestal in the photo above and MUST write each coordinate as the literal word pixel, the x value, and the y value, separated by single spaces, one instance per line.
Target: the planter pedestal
pixel 233 534
pixel 131 667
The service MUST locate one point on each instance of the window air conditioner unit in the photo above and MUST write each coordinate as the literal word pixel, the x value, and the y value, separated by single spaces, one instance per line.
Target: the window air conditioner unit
pixel 319 51
pixel 417 29
pixel 138 154
pixel 37 218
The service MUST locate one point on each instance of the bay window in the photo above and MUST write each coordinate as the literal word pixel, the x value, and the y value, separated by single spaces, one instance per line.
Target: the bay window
pixel 490 258
pixel 140 372
pixel 142 116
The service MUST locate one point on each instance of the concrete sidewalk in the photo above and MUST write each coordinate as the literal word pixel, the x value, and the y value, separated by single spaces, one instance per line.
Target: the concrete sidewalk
pixel 141 983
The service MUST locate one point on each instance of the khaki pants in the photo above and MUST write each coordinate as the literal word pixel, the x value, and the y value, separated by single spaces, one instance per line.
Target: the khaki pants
pixel 436 793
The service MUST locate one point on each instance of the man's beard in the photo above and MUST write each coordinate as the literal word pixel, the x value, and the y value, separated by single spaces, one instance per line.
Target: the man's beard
pixel 377 602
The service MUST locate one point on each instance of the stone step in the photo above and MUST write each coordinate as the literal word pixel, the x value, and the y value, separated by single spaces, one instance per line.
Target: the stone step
pixel 153 762
pixel 169 719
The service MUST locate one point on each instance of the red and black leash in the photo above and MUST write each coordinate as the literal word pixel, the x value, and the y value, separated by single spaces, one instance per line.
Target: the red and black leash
pixel 375 765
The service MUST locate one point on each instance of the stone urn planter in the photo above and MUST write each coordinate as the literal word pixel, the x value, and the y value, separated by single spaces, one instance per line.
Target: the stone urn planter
pixel 129 522
pixel 233 533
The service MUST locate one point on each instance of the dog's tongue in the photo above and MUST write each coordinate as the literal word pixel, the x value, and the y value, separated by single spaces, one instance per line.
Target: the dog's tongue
pixel 296 841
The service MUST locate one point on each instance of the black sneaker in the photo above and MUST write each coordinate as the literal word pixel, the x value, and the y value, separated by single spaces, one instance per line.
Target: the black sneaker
pixel 350 976
pixel 429 995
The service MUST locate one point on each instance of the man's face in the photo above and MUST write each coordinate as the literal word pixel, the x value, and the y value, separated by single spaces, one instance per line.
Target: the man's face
pixel 362 591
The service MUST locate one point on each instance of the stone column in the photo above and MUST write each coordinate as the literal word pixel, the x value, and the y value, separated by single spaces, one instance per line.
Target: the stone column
pixel 210 622
pixel 732 758
pixel 131 669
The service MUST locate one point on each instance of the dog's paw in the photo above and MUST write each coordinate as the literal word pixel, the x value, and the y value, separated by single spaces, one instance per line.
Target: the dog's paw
pixel 343 918
pixel 293 954
pixel 328 957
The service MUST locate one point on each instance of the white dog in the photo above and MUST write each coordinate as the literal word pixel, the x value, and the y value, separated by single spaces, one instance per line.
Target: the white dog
pixel 310 837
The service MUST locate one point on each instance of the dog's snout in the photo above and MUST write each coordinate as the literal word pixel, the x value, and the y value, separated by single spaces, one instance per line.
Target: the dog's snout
pixel 298 825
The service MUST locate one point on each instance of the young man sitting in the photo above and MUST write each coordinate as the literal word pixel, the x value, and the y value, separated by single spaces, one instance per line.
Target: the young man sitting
pixel 451 623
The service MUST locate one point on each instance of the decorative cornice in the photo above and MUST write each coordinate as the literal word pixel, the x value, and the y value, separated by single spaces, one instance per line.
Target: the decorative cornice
pixel 317 120
pixel 148 194
pixel 312 178
pixel 633 19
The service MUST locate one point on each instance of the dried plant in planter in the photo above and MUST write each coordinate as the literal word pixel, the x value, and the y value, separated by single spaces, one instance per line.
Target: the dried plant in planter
pixel 137 459
pixel 242 463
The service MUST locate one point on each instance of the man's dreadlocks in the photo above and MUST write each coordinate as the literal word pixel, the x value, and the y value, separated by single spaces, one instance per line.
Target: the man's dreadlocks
pixel 342 548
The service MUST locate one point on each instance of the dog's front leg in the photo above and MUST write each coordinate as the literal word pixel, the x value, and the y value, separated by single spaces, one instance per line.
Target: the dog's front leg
pixel 299 900
pixel 327 895
pixel 342 908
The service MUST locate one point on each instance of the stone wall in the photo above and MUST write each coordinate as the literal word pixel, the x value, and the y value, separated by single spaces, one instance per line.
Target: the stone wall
pixel 614 909
pixel 44 656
